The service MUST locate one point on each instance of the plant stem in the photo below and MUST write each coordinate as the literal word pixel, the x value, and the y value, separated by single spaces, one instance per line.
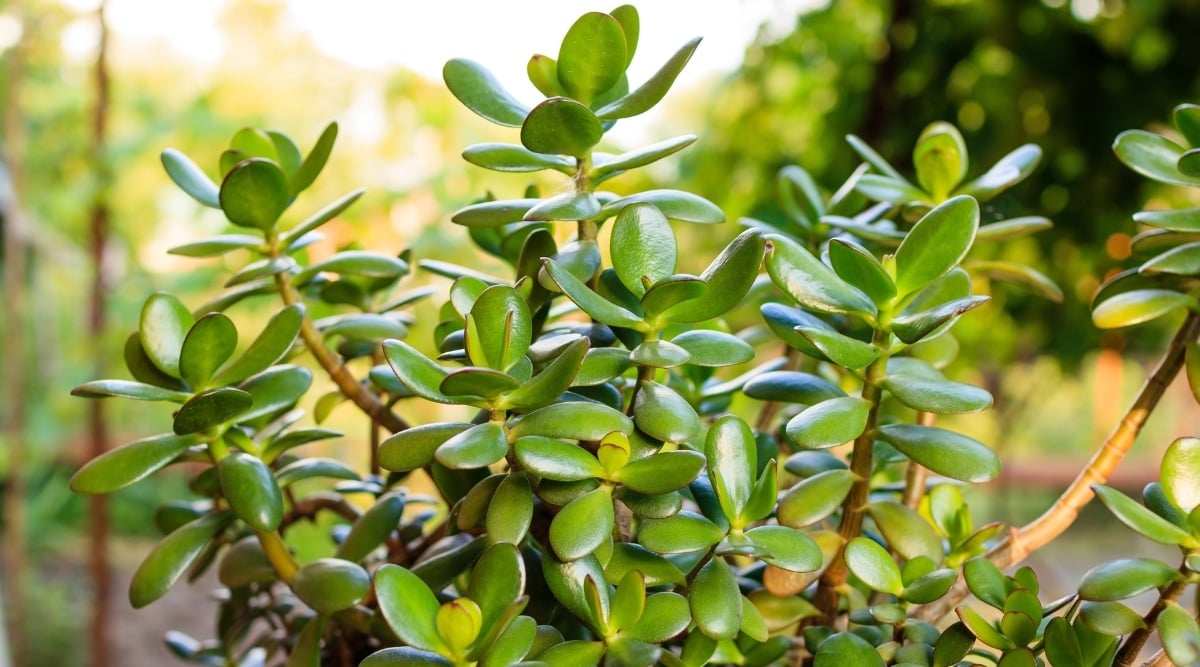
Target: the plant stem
pixel 855 505
pixel 366 401
pixel 1159 659
pixel 278 555
pixel 1137 639
pixel 1020 543
pixel 916 474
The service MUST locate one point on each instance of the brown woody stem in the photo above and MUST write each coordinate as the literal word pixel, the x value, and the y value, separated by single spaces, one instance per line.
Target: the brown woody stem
pixel 1022 542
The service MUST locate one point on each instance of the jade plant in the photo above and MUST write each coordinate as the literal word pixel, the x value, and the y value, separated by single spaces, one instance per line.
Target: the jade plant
pixel 626 477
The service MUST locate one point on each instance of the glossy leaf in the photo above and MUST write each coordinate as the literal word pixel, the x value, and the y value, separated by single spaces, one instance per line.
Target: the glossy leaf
pixel 190 178
pixel 217 245
pixel 567 206
pixel 409 607
pixel 493 213
pixel 936 244
pixel 815 498
pixel 682 533
pixel 606 167
pixel 841 350
pixel 1008 171
pixel 515 158
pixel 211 408
pixel 163 325
pixel 572 421
pixel 556 460
pixel 1180 634
pixel 860 269
pixel 511 510
pixel 664 615
pixel 732 462
pixel 599 308
pixel 812 284
pixel 645 96
pixel 307 650
pixel 874 566
pixel 476 447
pixel 405 656
pixel 173 556
pixel 1185 220
pixel 889 189
pixel 311 467
pixel 906 532
pixel 414 447
pixel 355 263
pixel 416 371
pixel 643 247
pixel 553 380
pixel 1140 519
pixel 716 601
pixel 787 549
pixel 1129 308
pixel 330 585
pixel 674 204
pixel 913 327
pixel 940 158
pixel 372 528
pixel 566 582
pixel 714 348
pixel 661 473
pixel 561 126
pixel 254 194
pixel 208 344
pixel 129 463
pixel 846 648
pixel 269 347
pixel 128 389
pixel 829 423
pixel 791 387
pixel 480 92
pixel 251 491
pixel 504 343
pixel 729 278
pixel 937 396
pixel 1110 618
pixel 582 525
pixel 945 452
pixel 1021 275
pixel 592 57
pixel 1152 155
pixel 659 353
pixel 664 414
pixel 1125 578
pixel 275 389
pixel 1012 228
pixel 1181 473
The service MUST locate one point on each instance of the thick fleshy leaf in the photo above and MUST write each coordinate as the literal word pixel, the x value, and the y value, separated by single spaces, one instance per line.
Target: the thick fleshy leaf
pixel 629 556
pixel 662 413
pixel 355 263
pixel 1062 647
pixel 269 347
pixel 674 204
pixel 845 648
pixel 791 387
pixel 1137 306
pixel 416 371
pixel 163 325
pixel 1181 473
pixel 493 213
pixel 307 650
pixel 815 498
pixel 599 308
pixel 945 452
pixel 1180 634
pixel 1110 618
pixel 860 269
pixel 251 490
pixel 714 348
pixel 659 353
pixel 553 380
pixel 1185 220
pixel 480 92
pixel 190 178
pixel 372 528
pixel 1153 156
pixel 499 327
pixel 173 556
pixel 1180 260
pixel 1019 274
pixel 643 247
pixel 414 447
pixel 476 447
pixel 930 587
pixel 874 566
pixel 557 460
pixel 1008 171
pixel 255 193
pixel 405 656
pixel 311 467
pixel 275 389
pixel 217 245
pixel 572 421
pixel 716 601
pixel 606 167
pixel 788 549
pixel 128 389
pixel 915 326
pixel 840 349
pixel 409 607
pixel 940 158
pixel 583 524
pixel 561 126
pixel 732 463
pixel 515 158
pixel 511 510
pixel 664 616
pixel 829 423
pixel 208 344
pixel 329 585
pixel 729 277
pixel 937 396
pixel 1125 578
pixel 907 532
pixel 889 189
pixel 592 57
pixel 129 463
pixel 1142 520
pixel 512 645
pixel 652 91
pixel 211 408
pixel 1012 228
pixel 567 206
pixel 685 532
pixel 812 284
pixel 674 291
pixel 661 473
pixel 986 581
pixel 497 580
pixel 985 630
pixel 954 644
pixel 566 582
pixel 936 244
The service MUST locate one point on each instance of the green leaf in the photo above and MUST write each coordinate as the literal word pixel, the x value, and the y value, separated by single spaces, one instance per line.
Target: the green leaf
pixel 664 616
pixel 507 327
pixel 1181 260
pixel 515 158
pixel 190 178
pixel 313 466
pixel 652 91
pixel 714 348
pixel 1186 220
pixel 307 650
pixel 914 327
pixel 211 408
pixel 408 606
pixel 940 158
pixel 937 396
pixel 567 206
pixel 674 204
pixel 480 92
pixel 583 524
pixel 1180 634
pixel 643 247
pixel 1008 171
pixel 1152 156
pixel 874 566
pixel 329 585
pixel 129 463
pixel 791 387
pixel 493 213
pixel 372 528
pixel 476 447
pixel 662 413
pixel 1140 519
pixel 840 349
pixel 930 587
pixel 661 473
pixel 368 327
pixel 275 389
pixel 669 294
pixel 572 421
pixel 845 648
pixel 1062 647
pixel 799 196
pixel 936 244
pixel 173 556
pixel 600 309
pixel 829 423
pixel 628 556
pixel 414 447
pixel 812 284
pixel 557 460
pixel 405 656
pixel 985 630
pixel 889 189
pixel 682 533
pixel 255 193
pixel 208 344
pixel 787 549
pixel 815 498
pixel 511 510
pixel 354 263
pixel 729 278
pixel 1125 578
pixel 716 601
pixel 416 371
pixel 1181 473
pixel 1137 306
pixel 1019 274
pixel 1110 618
pixel 659 353
pixel 245 563
pixel 954 644
pixel 606 167
pixel 592 57
pixel 512 645
pixel 906 532
pixel 1012 228
pixel 860 269
pixel 561 126
pixel 732 463
pixel 566 583
pixel 497 580
pixel 163 325
pixel 217 245
pixel 553 380
pixel 944 452
pixel 128 389
pixel 251 490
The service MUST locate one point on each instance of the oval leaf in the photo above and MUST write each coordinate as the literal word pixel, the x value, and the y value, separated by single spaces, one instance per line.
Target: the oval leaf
pixel 945 452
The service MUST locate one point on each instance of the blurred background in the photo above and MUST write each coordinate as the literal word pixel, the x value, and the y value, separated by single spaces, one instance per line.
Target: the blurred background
pixel 94 90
